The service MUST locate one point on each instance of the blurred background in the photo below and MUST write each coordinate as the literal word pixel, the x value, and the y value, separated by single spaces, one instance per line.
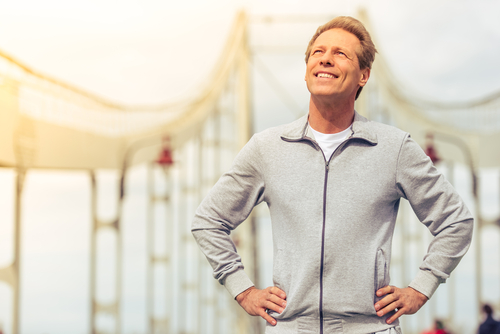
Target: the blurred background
pixel 116 118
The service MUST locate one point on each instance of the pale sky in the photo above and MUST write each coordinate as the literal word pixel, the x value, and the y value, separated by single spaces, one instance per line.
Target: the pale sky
pixel 152 51
pixel 155 51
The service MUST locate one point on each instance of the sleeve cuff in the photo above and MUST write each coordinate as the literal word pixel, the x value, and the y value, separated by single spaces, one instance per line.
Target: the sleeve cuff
pixel 425 282
pixel 237 282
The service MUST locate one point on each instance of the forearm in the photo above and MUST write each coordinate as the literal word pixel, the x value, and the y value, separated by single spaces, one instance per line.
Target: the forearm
pixel 445 252
pixel 220 252
pixel 226 206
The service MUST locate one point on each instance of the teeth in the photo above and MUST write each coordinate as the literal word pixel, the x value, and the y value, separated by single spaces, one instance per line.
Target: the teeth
pixel 325 75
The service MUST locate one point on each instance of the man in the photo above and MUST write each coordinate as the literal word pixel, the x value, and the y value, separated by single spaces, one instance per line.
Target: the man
pixel 333 181
pixel 489 325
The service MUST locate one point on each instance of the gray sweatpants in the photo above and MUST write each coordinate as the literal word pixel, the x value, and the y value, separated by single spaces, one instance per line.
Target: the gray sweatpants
pixel 392 330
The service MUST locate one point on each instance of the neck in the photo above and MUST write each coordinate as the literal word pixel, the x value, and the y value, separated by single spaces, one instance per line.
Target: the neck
pixel 330 117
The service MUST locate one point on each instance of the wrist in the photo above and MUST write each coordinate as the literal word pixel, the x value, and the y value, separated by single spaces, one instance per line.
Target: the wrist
pixel 242 295
pixel 419 294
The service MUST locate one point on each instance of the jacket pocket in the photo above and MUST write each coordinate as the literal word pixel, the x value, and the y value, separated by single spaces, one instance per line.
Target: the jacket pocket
pixel 381 278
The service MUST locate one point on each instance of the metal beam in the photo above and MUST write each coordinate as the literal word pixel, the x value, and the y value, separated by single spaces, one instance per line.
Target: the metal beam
pixel 112 308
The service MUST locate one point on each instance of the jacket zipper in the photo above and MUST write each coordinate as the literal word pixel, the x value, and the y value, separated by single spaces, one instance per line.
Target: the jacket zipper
pixel 327 169
pixel 323 250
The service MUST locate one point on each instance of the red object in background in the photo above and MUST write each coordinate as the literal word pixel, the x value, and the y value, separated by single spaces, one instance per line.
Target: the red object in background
pixel 165 157
pixel 436 331
pixel 439 328
pixel 430 150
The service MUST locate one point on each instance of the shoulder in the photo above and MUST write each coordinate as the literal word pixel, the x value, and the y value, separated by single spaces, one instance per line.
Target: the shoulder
pixel 264 142
pixel 382 135
pixel 391 136
pixel 275 134
pixel 385 131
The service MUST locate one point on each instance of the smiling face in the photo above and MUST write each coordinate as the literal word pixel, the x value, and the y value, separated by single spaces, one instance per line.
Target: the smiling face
pixel 333 71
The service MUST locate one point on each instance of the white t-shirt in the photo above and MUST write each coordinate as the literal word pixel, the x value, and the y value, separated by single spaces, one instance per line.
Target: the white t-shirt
pixel 330 141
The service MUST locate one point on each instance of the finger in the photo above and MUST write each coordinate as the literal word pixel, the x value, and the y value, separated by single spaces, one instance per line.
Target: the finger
pixel 385 290
pixel 272 306
pixel 386 301
pixel 396 315
pixel 277 300
pixel 278 292
pixel 267 317
pixel 389 308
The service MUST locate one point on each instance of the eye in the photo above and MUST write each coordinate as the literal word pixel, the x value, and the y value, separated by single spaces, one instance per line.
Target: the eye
pixel 316 51
pixel 340 53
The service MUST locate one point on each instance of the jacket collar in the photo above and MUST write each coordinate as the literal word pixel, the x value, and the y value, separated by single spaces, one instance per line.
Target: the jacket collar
pixel 299 130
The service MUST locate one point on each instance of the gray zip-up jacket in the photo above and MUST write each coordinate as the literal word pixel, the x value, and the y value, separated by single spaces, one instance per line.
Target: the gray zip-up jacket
pixel 332 221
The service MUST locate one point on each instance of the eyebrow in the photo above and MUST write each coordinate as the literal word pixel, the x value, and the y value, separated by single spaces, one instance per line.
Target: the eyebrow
pixel 336 48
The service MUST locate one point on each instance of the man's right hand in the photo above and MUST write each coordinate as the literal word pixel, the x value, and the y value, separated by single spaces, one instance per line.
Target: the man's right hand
pixel 256 301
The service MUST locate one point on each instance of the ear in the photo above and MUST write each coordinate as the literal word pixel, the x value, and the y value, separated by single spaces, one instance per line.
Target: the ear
pixel 365 75
pixel 305 74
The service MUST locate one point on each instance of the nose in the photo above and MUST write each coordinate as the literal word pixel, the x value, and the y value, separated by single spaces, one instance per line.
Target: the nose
pixel 326 60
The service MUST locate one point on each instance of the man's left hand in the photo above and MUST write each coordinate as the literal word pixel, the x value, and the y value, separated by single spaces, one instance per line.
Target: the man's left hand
pixel 406 301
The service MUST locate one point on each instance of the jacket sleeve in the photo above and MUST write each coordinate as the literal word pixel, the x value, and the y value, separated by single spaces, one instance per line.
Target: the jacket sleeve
pixel 439 207
pixel 225 207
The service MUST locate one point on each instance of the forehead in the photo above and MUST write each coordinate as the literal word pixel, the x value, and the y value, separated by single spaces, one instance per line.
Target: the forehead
pixel 338 37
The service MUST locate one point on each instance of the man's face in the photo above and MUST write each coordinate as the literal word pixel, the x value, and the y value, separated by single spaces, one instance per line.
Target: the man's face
pixel 333 68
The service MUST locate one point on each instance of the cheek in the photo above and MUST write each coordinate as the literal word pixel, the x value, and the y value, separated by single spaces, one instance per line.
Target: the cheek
pixel 309 72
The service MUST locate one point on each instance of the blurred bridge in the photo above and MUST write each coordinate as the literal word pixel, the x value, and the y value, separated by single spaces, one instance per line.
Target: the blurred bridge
pixel 48 124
